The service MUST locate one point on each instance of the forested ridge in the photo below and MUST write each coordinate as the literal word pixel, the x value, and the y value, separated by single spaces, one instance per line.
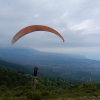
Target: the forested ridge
pixel 18 85
pixel 68 73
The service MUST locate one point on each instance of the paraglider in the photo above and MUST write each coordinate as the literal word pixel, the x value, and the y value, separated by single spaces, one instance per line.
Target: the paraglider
pixel 33 28
pixel 35 76
pixel 35 71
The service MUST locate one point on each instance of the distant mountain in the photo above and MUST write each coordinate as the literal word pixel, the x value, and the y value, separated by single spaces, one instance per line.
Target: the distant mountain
pixel 32 56
pixel 51 64
pixel 15 66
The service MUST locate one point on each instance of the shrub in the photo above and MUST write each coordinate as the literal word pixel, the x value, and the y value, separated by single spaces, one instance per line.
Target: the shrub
pixel 45 93
pixel 33 96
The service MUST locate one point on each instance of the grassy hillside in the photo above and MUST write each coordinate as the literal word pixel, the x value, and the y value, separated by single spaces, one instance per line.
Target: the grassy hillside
pixel 17 85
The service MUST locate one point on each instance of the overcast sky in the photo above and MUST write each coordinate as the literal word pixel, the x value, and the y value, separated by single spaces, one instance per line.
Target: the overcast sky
pixel 78 21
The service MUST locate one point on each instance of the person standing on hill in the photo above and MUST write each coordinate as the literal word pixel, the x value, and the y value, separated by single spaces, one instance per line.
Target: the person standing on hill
pixel 35 71
pixel 35 76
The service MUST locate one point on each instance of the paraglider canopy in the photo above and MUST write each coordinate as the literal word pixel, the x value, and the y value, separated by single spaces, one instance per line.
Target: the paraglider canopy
pixel 33 28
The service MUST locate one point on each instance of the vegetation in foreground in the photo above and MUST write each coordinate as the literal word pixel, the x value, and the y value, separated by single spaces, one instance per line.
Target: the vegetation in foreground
pixel 17 85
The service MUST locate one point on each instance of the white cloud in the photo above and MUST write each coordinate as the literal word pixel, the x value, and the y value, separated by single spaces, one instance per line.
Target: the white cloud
pixel 77 20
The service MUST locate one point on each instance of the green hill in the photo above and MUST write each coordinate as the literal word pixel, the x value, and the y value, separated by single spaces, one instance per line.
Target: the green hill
pixel 17 85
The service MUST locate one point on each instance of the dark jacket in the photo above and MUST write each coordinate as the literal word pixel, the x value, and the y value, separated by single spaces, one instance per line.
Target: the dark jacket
pixel 35 71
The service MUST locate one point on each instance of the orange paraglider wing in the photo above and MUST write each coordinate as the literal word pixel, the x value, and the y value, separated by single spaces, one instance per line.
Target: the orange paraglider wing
pixel 33 28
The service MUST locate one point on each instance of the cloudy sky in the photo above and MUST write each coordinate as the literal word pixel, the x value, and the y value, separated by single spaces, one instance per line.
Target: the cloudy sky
pixel 78 21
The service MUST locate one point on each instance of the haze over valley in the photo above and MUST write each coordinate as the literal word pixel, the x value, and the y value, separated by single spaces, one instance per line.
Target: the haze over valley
pixel 72 66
